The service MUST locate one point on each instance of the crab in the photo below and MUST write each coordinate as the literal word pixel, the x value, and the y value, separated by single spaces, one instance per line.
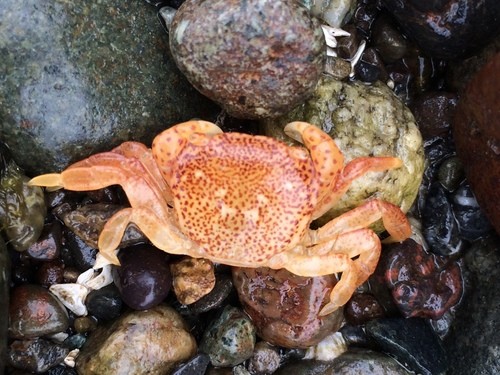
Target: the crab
pixel 243 200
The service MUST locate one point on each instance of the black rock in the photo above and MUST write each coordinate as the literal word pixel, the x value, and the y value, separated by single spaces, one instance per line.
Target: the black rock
pixel 412 342
pixel 195 366
pixel 105 303
pixel 37 355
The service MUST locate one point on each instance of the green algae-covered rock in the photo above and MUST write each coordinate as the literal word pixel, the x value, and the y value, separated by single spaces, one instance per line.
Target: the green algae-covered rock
pixel 81 77
pixel 364 121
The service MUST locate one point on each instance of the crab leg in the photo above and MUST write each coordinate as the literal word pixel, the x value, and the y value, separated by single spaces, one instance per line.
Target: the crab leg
pixel 354 169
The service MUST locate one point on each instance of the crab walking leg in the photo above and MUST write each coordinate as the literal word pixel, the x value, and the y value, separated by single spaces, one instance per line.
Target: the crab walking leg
pixel 326 156
pixel 160 231
pixel 354 169
pixel 313 265
pixel 394 220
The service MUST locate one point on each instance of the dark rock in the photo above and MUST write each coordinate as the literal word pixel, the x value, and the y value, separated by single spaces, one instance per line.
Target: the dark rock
pixel 34 312
pixel 451 173
pixel 388 41
pixel 252 69
pixel 82 255
pixel 195 366
pixel 230 339
pixel 284 307
pixel 472 343
pixel 71 71
pixel 48 245
pixel 440 229
pixel 476 131
pixel 361 308
pixel 447 29
pixel 4 297
pixel 105 303
pixel 222 289
pixel 37 355
pixel 143 278
pixel 411 342
pixel 50 273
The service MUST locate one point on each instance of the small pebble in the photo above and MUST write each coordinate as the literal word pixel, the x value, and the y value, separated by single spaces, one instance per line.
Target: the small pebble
pixel 266 359
pixel 230 339
pixel 361 308
pixel 105 303
pixel 196 365
pixel 50 273
pixel 34 312
pixel 84 324
pixel 82 254
pixel 192 279
pixel 222 289
pixel 450 173
pixel 143 278
pixel 36 355
pixel 48 245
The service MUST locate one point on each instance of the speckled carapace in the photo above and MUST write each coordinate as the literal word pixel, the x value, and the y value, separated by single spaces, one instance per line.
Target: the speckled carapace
pixel 243 200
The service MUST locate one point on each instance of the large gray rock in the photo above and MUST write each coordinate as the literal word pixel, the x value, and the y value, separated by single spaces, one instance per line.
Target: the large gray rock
pixel 81 77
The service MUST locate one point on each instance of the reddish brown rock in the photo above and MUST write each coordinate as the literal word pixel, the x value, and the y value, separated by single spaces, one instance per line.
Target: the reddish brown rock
pixel 284 307
pixel 476 130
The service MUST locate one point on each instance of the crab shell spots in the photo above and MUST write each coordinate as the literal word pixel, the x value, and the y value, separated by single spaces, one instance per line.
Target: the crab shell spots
pixel 243 197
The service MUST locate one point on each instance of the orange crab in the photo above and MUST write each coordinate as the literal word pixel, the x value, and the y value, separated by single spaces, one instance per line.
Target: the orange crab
pixel 243 200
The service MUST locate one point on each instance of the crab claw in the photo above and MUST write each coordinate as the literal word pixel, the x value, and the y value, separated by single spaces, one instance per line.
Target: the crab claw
pixel 52 181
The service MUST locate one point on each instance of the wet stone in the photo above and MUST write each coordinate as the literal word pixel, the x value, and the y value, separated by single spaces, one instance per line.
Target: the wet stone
pixel 266 359
pixel 422 284
pixel 361 308
pixel 451 173
pixel 388 41
pixel 150 341
pixel 222 289
pixel 195 366
pixel 410 341
pixel 5 272
pixel 284 307
pixel 192 279
pixel 50 273
pixel 143 278
pixel 37 355
pixel 75 341
pixel 105 303
pixel 84 324
pixel 82 255
pixel 48 245
pixel 230 339
pixel 70 80
pixel 34 312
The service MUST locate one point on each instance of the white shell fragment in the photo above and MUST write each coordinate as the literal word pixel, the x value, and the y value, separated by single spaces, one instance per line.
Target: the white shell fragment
pixel 72 296
pixel 331 34
pixel 328 349
pixel 71 357
pixel 94 279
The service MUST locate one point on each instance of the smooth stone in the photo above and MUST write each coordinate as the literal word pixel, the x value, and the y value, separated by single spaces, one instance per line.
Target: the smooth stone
pixel 34 312
pixel 265 359
pixel 195 366
pixel 476 131
pixel 229 339
pixel 105 303
pixel 473 345
pixel 410 341
pixel 48 245
pixel 222 289
pixel 150 341
pixel 451 173
pixel 364 120
pixel 4 297
pixel 50 273
pixel 447 29
pixel 388 40
pixel 82 255
pixel 37 355
pixel 72 71
pixel 285 307
pixel 143 278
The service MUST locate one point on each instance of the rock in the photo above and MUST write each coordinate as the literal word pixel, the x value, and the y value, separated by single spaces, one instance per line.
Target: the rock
pixel 222 289
pixel 255 59
pixel 410 341
pixel 22 207
pixel 333 12
pixel 451 173
pixel 71 72
pixel 195 366
pixel 230 339
pixel 388 41
pixel 422 284
pixel 364 121
pixel 48 245
pixel 448 29
pixel 150 341
pixel 37 355
pixel 34 312
pixel 472 344
pixel 361 308
pixel 4 296
pixel 143 278
pixel 353 362
pixel 476 131
pixel 265 359
pixel 105 303
pixel 284 307
pixel 192 279
pixel 50 273
pixel 82 255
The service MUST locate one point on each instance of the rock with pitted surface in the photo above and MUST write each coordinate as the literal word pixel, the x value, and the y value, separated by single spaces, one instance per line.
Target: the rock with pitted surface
pixel 78 78
pixel 153 342
pixel 476 131
pixel 284 307
pixel 256 59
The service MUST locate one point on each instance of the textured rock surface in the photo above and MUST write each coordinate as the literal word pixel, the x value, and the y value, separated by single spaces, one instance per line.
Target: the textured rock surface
pixel 139 342
pixel 4 297
pixel 82 77
pixel 364 121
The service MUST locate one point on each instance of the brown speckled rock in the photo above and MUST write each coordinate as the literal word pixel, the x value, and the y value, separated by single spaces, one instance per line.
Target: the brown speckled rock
pixel 284 307
pixel 255 58
pixel 476 130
